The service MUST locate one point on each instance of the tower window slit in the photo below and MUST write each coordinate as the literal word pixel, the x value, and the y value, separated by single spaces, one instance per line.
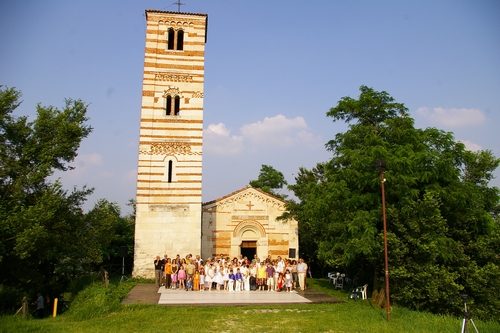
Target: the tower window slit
pixel 169 175
pixel 171 39
pixel 180 40
pixel 177 105
pixel 169 105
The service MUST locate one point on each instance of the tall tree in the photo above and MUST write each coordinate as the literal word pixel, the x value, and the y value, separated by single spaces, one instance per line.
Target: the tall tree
pixel 440 210
pixel 43 233
pixel 270 180
pixel 109 229
pixel 309 226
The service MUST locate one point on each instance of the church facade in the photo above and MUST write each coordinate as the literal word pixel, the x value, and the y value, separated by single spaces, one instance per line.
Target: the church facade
pixel 244 222
pixel 170 216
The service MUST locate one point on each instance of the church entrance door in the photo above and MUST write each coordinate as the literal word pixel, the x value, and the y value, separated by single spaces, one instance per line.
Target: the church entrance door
pixel 248 249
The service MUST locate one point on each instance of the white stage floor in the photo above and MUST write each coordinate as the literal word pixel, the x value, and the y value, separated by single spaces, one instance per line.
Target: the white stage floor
pixel 182 297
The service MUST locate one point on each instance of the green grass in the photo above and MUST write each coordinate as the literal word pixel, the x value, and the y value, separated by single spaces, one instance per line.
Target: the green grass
pixel 97 309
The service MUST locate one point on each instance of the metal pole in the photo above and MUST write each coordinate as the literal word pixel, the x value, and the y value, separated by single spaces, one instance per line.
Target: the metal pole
pixel 54 310
pixel 387 297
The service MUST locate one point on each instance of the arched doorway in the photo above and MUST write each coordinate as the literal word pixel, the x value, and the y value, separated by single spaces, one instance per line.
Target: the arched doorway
pixel 249 239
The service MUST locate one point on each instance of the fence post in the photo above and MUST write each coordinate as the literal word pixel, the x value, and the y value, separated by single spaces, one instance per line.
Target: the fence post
pixel 54 311
pixel 25 307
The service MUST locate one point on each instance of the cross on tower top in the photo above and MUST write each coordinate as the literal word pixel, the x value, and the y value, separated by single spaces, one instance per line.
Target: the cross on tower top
pixel 179 4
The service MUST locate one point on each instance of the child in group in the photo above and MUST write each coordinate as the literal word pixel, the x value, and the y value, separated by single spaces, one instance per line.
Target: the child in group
pixel 174 276
pixel 225 276
pixel 181 276
pixel 209 275
pixel 219 278
pixel 189 283
pixel 196 280
pixel 239 280
pixel 202 277
pixel 270 277
pixel 281 282
pixel 231 281
pixel 288 279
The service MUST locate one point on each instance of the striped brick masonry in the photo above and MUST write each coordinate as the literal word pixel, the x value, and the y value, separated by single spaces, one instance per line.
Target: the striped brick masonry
pixel 169 206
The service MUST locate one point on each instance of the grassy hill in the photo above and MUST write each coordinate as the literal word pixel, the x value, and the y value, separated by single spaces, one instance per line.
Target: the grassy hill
pixel 98 309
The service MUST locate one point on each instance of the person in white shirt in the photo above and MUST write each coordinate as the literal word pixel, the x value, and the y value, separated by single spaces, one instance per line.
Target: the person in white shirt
pixel 245 272
pixel 281 265
pixel 302 270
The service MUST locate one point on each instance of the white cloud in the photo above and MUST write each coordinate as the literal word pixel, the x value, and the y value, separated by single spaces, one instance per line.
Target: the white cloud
pixel 469 145
pixel 279 132
pixel 451 117
pixel 217 139
pixel 276 132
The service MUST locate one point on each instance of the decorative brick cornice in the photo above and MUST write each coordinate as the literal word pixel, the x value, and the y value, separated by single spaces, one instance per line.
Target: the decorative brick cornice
pixel 172 77
pixel 278 252
pixel 172 91
pixel 169 148
pixel 247 194
pixel 277 243
pixel 249 225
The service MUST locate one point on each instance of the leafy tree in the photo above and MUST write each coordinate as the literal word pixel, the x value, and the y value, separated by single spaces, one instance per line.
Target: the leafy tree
pixel 109 229
pixel 270 180
pixel 44 235
pixel 309 226
pixel 441 214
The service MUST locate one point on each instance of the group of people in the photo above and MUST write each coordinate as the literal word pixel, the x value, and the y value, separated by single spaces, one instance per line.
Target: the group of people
pixel 223 274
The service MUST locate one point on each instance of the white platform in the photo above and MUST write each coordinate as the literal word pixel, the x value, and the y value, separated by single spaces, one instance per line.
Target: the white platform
pixel 177 296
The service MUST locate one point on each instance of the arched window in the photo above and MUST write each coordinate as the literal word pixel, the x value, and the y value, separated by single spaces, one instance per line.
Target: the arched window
pixel 177 105
pixel 180 40
pixel 173 104
pixel 171 39
pixel 170 171
pixel 169 105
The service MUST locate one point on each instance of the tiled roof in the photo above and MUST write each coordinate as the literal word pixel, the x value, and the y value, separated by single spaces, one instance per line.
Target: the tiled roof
pixel 169 12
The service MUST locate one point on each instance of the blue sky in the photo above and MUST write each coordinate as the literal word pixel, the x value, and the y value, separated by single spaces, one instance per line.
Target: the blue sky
pixel 272 71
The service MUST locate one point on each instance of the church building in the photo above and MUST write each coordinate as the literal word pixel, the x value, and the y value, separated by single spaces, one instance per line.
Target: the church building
pixel 244 222
pixel 170 216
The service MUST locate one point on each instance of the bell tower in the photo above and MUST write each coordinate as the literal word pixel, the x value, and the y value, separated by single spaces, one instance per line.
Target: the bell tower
pixel 168 211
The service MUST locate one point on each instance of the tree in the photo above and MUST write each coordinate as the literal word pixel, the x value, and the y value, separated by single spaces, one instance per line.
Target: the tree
pixel 43 230
pixel 440 211
pixel 309 225
pixel 270 180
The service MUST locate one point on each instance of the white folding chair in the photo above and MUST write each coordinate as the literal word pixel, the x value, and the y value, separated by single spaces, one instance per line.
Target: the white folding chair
pixel 331 277
pixel 363 291
pixel 339 283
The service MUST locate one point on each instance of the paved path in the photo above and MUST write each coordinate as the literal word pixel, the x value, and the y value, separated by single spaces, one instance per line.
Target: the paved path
pixel 148 293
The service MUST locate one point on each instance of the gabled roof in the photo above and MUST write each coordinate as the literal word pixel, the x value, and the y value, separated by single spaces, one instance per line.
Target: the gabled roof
pixel 242 190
